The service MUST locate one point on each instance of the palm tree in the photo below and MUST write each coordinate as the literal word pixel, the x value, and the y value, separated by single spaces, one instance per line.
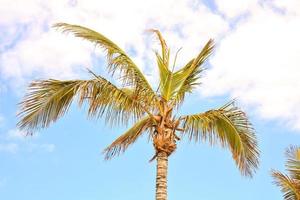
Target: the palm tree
pixel 290 184
pixel 134 100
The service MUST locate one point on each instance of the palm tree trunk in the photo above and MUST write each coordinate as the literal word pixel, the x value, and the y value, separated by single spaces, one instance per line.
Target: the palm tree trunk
pixel 161 176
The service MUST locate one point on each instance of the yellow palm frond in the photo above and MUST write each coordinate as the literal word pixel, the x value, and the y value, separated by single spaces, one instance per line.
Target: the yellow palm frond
pixel 165 51
pixel 128 138
pixel 289 187
pixel 293 162
pixel 290 184
pixel 117 104
pixel 165 75
pixel 187 77
pixel 117 59
pixel 165 85
pixel 230 127
pixel 47 100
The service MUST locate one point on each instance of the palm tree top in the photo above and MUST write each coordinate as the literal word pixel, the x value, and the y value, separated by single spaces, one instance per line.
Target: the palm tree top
pixel 290 182
pixel 152 112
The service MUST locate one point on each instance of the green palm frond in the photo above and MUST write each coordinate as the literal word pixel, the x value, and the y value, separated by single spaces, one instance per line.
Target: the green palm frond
pixel 187 77
pixel 165 51
pixel 117 104
pixel 118 60
pixel 128 138
pixel 175 85
pixel 293 162
pixel 47 100
pixel 230 127
pixel 289 187
pixel 165 75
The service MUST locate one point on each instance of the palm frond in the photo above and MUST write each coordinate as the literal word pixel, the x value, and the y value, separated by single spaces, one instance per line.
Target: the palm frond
pixel 165 52
pixel 117 104
pixel 289 187
pixel 230 127
pixel 128 138
pixel 117 60
pixel 166 76
pixel 293 162
pixel 47 100
pixel 188 77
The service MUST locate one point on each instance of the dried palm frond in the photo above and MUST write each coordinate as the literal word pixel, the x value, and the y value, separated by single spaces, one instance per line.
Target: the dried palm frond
pixel 129 137
pixel 47 100
pixel 230 127
pixel 118 60
pixel 188 77
pixel 290 184
pixel 289 187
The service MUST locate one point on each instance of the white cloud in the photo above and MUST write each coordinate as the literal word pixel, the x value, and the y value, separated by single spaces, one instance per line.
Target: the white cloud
pixel 38 52
pixel 258 62
pixel 233 8
pixel 15 134
pixel 15 140
pixel 45 55
pixel 9 147
pixel 290 6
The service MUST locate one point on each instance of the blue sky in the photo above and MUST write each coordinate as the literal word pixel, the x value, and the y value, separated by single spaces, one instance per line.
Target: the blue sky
pixel 256 60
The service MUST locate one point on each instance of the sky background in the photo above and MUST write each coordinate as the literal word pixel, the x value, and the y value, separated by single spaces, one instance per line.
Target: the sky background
pixel 256 61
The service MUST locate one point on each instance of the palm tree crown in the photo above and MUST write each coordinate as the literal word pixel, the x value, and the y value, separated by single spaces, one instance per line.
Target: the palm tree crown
pixel 153 112
pixel 290 184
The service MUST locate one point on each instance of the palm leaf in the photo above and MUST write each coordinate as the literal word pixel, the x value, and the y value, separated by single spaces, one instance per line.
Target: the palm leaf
pixel 47 100
pixel 230 127
pixel 165 51
pixel 165 75
pixel 117 60
pixel 117 104
pixel 187 77
pixel 289 187
pixel 293 162
pixel 128 138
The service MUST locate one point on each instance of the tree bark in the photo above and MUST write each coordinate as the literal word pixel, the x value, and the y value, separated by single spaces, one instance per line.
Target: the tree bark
pixel 161 176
